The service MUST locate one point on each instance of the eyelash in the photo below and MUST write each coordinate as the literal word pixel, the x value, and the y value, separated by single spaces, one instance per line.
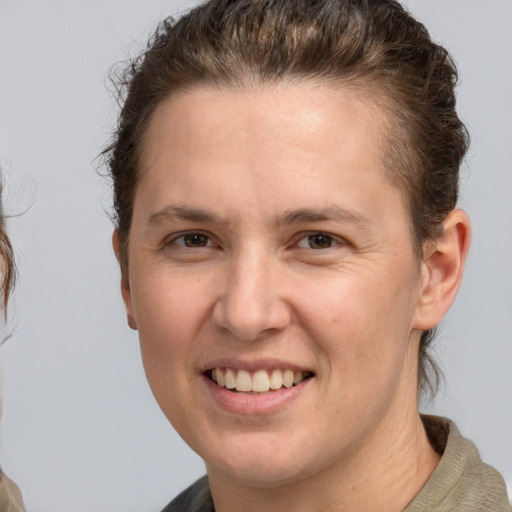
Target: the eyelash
pixel 309 237
pixel 183 236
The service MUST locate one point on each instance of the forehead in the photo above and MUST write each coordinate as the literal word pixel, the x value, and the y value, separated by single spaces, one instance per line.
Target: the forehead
pixel 296 113
pixel 302 140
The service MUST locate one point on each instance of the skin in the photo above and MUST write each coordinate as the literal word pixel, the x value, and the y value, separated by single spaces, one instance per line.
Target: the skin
pixel 258 174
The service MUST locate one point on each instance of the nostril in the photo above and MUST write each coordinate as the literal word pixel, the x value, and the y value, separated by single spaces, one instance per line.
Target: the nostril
pixel 250 310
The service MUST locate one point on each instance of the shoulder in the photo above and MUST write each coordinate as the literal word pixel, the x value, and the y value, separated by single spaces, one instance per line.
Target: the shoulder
pixel 10 495
pixel 461 482
pixel 196 498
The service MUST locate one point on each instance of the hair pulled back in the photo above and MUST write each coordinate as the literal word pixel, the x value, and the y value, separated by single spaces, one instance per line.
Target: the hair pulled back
pixel 372 46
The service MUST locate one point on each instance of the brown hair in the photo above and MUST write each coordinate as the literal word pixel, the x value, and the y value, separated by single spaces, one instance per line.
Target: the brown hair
pixel 372 46
pixel 7 266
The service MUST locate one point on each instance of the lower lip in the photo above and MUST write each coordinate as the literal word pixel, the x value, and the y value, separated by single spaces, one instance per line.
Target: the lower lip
pixel 253 403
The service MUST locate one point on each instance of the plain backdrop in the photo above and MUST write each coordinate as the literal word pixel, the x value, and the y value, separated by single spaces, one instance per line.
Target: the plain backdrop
pixel 81 431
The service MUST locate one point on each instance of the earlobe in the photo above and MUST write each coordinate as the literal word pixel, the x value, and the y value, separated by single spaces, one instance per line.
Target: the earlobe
pixel 441 270
pixel 125 283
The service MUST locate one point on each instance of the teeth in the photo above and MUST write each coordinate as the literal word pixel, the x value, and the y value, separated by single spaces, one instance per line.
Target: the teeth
pixel 276 379
pixel 229 379
pixel 243 381
pixel 260 381
pixel 288 378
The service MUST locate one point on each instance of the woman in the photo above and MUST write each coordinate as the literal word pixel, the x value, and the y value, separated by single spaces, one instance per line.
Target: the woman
pixel 10 496
pixel 285 181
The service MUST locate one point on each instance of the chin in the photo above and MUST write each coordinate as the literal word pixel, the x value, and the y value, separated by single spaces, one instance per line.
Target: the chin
pixel 262 462
pixel 252 472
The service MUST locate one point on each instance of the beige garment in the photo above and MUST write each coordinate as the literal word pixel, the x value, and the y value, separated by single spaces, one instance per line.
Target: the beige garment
pixel 10 495
pixel 461 482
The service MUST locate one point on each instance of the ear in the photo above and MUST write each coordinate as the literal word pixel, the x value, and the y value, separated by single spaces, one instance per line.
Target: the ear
pixel 441 270
pixel 125 283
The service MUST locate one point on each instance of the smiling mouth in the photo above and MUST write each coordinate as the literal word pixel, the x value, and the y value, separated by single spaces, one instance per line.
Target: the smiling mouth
pixel 260 381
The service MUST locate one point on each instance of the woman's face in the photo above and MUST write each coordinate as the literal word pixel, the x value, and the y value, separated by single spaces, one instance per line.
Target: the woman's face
pixel 266 245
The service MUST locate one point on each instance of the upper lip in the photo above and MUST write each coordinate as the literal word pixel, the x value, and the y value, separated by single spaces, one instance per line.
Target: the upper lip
pixel 254 364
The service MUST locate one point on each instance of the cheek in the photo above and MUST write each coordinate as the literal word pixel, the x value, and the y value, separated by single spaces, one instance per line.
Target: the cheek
pixel 167 322
pixel 361 326
pixel 169 314
pixel 168 304
pixel 358 305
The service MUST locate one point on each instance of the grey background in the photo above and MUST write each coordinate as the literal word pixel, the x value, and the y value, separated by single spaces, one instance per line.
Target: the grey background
pixel 80 430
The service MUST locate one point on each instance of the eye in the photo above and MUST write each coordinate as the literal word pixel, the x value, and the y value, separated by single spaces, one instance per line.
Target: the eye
pixel 316 241
pixel 192 240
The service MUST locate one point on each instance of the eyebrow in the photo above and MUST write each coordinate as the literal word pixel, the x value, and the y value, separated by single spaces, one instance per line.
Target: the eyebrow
pixel 183 213
pixel 332 213
pixel 289 217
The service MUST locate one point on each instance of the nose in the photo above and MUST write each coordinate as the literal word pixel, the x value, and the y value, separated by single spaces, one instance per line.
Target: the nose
pixel 252 304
